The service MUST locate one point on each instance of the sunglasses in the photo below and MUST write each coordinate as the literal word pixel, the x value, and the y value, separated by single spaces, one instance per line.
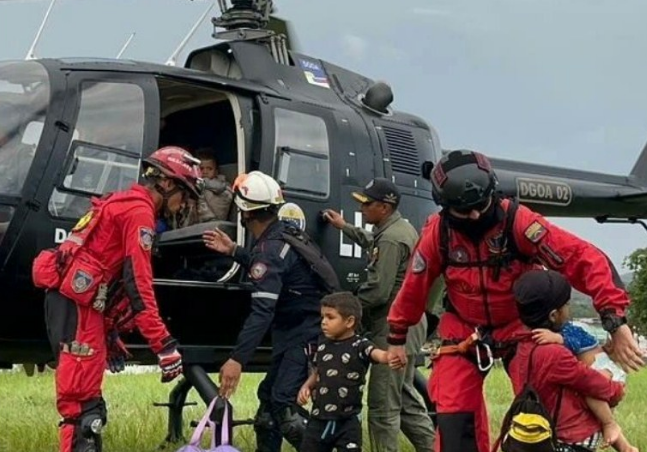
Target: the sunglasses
pixel 480 207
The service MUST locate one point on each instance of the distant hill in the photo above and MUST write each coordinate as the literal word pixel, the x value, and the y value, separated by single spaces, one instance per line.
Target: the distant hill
pixel 581 305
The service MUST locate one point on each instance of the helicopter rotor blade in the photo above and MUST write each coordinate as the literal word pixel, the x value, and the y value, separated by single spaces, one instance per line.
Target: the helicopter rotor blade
pixel 172 60
pixel 125 46
pixel 30 53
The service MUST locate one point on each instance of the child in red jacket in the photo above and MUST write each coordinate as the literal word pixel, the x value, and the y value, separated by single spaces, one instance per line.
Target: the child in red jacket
pixel 588 350
pixel 542 300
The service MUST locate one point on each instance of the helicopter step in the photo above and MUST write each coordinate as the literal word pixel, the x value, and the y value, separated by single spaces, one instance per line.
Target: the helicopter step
pixel 194 377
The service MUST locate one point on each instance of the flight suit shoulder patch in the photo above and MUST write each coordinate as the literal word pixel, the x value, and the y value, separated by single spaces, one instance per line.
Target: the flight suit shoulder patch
pixel 419 263
pixel 83 222
pixel 257 271
pixel 535 232
pixel 81 281
pixel 146 237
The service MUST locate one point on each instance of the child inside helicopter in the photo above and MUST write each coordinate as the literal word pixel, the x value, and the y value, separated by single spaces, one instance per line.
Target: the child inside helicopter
pixel 218 195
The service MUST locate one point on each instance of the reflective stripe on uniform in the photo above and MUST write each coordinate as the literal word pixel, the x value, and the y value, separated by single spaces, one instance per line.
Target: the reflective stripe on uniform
pixel 270 295
pixel 284 250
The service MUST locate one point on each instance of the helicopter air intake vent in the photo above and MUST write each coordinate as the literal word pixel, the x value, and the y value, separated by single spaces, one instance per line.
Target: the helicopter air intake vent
pixel 402 150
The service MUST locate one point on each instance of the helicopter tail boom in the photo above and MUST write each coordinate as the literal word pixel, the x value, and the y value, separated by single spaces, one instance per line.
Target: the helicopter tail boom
pixel 639 171
pixel 564 192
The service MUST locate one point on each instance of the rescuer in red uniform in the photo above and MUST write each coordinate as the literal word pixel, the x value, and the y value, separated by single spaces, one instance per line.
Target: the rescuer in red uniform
pixel 481 244
pixel 108 252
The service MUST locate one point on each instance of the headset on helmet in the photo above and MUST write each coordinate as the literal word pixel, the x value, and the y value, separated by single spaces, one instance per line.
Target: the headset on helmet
pixel 177 164
pixel 255 191
pixel 463 179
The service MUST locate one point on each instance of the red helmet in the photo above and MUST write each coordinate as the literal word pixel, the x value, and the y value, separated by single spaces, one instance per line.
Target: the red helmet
pixel 178 164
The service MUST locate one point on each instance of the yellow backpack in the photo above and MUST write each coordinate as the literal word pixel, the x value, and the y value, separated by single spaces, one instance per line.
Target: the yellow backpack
pixel 528 426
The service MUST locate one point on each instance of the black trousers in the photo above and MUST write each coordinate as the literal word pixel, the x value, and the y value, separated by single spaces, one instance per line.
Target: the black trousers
pixel 326 436
pixel 277 393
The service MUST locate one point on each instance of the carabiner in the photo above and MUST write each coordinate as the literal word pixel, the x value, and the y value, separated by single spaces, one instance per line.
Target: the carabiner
pixel 490 357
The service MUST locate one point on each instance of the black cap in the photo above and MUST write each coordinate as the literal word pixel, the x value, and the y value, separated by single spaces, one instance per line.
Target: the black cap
pixel 379 189
pixel 537 293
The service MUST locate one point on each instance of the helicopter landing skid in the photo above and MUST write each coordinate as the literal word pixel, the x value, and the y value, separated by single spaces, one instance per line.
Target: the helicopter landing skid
pixel 195 377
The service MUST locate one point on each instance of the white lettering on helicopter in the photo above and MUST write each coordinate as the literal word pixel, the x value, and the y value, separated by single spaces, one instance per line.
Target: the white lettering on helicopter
pixel 60 235
pixel 544 191
pixel 352 249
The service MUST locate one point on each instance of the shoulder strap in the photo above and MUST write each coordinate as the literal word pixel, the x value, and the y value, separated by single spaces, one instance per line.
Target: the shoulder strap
pixel 312 254
pixel 532 352
pixel 444 241
pixel 508 232
pixel 558 405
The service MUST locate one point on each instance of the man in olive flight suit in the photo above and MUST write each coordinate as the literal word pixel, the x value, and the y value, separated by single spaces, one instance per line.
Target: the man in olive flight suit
pixel 393 402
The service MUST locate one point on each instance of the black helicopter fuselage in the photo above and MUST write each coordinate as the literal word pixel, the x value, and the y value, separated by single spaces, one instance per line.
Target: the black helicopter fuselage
pixel 302 123
pixel 82 127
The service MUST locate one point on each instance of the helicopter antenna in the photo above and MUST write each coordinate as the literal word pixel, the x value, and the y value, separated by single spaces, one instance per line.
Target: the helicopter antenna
pixel 172 60
pixel 30 52
pixel 123 49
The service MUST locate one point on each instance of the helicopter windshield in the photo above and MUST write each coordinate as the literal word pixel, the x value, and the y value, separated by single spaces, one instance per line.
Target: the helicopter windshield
pixel 24 99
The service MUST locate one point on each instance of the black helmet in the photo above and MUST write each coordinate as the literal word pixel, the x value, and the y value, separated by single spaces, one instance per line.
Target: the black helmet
pixel 463 180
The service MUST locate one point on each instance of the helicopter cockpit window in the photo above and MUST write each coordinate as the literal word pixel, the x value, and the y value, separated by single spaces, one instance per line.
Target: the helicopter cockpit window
pixel 94 170
pixel 104 154
pixel 303 154
pixel 24 101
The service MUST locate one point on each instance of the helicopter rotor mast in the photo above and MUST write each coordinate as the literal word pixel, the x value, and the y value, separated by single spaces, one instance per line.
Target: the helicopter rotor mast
pixel 252 20
pixel 243 20
pixel 252 14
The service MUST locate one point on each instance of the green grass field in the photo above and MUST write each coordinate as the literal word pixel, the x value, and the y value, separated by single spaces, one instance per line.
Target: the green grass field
pixel 28 417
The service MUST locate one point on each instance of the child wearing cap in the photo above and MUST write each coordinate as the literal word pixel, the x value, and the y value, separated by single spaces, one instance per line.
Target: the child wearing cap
pixel 336 383
pixel 560 379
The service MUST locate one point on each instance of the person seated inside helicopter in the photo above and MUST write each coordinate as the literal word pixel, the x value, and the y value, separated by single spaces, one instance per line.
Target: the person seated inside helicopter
pixel 215 203
pixel 179 236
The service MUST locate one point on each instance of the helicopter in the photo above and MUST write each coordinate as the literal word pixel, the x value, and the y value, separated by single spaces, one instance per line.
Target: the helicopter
pixel 74 128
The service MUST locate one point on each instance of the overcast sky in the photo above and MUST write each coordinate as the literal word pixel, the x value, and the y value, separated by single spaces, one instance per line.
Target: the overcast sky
pixel 548 81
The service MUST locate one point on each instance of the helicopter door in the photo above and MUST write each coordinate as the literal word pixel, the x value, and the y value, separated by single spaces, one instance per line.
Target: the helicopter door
pixel 106 135
pixel 300 143
pixel 359 158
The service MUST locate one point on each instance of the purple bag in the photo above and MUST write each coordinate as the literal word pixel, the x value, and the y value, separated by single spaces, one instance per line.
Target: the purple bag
pixel 194 444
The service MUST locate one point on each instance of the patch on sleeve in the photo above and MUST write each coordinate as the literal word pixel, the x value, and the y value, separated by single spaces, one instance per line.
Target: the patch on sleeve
pixel 375 255
pixel 81 281
pixel 535 232
pixel 146 237
pixel 258 270
pixel 83 222
pixel 419 264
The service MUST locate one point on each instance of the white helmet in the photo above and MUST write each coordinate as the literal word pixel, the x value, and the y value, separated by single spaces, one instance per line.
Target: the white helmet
pixel 256 191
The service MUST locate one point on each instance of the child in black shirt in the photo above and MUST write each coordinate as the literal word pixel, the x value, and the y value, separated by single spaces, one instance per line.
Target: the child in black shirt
pixel 337 381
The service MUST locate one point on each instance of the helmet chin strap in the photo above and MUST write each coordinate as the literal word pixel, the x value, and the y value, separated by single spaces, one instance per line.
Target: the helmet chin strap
pixel 166 194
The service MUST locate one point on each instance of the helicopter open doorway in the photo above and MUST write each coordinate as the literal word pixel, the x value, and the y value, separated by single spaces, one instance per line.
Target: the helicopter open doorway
pixel 201 120
pixel 107 145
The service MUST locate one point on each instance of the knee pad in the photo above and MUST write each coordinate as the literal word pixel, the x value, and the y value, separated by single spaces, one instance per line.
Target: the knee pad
pixel 292 424
pixel 89 426
pixel 268 437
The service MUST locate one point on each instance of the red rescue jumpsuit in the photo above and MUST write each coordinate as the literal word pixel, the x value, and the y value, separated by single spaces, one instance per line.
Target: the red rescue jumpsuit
pixel 115 244
pixel 479 299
